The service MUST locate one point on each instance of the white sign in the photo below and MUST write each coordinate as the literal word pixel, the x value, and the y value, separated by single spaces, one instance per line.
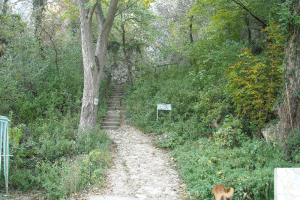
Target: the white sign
pixel 286 183
pixel 96 101
pixel 162 106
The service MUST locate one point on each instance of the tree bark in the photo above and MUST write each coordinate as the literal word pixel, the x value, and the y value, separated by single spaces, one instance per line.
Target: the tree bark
pixel 249 30
pixel 191 30
pixel 93 60
pixel 289 108
pixel 126 62
pixel 38 13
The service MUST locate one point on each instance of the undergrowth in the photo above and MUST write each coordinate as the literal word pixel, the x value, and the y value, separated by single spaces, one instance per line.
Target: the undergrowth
pixel 209 142
pixel 53 158
pixel 248 168
pixel 40 92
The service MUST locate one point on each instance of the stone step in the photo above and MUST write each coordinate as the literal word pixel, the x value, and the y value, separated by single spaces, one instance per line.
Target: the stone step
pixel 118 85
pixel 115 119
pixel 115 99
pixel 114 108
pixel 114 102
pixel 117 90
pixel 112 119
pixel 110 127
pixel 113 112
pixel 117 96
pixel 111 122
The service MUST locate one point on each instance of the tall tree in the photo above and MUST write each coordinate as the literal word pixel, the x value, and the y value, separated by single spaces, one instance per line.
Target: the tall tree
pixel 289 108
pixel 93 59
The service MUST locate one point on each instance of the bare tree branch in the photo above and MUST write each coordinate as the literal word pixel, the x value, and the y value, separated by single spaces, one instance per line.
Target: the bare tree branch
pixel 245 8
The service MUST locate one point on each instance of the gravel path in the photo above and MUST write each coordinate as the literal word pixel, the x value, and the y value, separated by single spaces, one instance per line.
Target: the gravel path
pixel 140 170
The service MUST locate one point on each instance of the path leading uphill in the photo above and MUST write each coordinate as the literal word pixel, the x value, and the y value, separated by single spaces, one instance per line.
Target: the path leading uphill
pixel 140 170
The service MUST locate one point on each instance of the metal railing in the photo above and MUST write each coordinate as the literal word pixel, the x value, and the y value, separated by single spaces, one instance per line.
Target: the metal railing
pixel 4 147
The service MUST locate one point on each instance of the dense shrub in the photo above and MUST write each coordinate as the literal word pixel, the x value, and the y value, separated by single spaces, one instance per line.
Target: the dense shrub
pixel 249 168
pixel 51 156
pixel 254 82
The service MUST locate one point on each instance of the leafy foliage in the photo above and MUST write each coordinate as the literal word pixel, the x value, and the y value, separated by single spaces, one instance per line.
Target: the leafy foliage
pixel 204 156
pixel 52 156
pixel 210 142
pixel 292 146
pixel 231 133
pixel 255 81
pixel 32 84
pixel 40 92
pixel 249 168
pixel 220 86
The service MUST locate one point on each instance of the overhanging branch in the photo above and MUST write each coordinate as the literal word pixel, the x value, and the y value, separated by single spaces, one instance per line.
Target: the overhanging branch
pixel 245 8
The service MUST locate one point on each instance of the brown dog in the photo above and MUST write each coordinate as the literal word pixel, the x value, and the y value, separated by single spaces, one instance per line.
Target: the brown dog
pixel 221 193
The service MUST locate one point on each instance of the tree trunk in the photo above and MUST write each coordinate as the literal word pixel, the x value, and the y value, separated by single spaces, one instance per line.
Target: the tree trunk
pixel 249 31
pixel 191 30
pixel 38 13
pixel 192 61
pixel 289 108
pixel 88 115
pixel 93 60
pixel 126 62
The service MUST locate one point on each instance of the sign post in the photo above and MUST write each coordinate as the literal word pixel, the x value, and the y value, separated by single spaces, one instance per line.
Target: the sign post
pixel 162 106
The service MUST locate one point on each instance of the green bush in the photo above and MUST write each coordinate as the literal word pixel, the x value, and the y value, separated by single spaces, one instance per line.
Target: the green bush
pixel 230 134
pixel 33 84
pixel 51 156
pixel 249 168
pixel 293 146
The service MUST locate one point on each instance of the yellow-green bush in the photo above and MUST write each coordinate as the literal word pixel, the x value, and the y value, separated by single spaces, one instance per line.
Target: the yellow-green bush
pixel 254 82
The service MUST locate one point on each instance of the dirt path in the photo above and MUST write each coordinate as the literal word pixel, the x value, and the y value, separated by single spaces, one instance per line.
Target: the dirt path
pixel 140 170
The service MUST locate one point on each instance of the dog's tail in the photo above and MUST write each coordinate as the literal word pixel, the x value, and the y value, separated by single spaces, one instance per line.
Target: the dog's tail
pixel 229 194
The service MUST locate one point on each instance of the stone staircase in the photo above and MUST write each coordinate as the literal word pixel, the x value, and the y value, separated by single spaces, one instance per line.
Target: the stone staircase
pixel 112 119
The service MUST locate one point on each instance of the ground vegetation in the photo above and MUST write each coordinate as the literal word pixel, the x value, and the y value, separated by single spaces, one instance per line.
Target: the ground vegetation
pixel 227 67
pixel 232 70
